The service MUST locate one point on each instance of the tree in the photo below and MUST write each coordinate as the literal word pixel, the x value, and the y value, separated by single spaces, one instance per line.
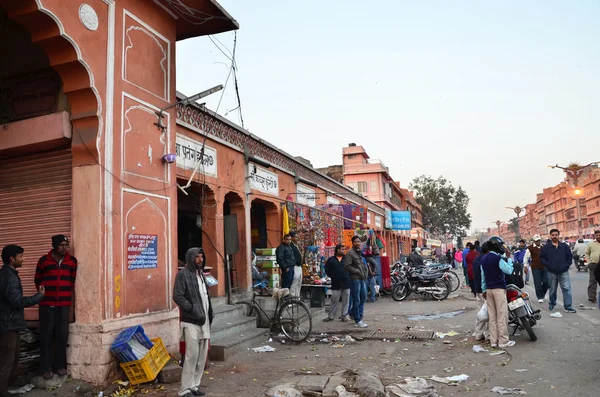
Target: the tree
pixel 513 226
pixel 444 206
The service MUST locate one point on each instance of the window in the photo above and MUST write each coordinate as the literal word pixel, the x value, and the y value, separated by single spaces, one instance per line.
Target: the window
pixel 373 186
pixel 351 156
pixel 361 187
pixel 352 185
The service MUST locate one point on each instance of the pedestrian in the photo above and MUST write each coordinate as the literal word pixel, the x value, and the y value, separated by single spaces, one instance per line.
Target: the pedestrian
pixel 557 258
pixel 579 250
pixel 12 315
pixel 458 258
pixel 297 281
pixel 371 280
pixel 464 263
pixel 470 259
pixel 57 272
pixel 340 283
pixel 354 265
pixel 449 256
pixel 519 259
pixel 495 265
pixel 538 270
pixel 477 271
pixel 286 261
pixel 593 254
pixel 415 259
pixel 190 293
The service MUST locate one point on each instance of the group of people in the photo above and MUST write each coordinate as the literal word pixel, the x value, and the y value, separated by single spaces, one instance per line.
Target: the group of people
pixel 54 280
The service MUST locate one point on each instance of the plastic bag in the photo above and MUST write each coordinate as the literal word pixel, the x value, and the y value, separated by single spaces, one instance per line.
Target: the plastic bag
pixel 483 315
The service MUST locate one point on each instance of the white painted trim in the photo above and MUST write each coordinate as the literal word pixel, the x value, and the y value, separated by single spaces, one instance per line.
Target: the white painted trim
pixel 147 29
pixel 166 136
pixel 108 160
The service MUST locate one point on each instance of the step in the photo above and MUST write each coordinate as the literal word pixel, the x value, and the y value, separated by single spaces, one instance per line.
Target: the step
pixel 227 311
pixel 225 327
pixel 224 349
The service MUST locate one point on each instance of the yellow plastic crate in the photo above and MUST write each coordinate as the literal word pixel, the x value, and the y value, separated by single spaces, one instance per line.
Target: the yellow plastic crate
pixel 147 369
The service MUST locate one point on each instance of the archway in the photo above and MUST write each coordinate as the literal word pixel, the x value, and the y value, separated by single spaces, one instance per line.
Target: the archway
pixel 234 243
pixel 264 224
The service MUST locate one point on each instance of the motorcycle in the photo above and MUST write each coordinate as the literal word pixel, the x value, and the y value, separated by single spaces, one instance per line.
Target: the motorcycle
pixel 521 314
pixel 436 285
pixel 582 264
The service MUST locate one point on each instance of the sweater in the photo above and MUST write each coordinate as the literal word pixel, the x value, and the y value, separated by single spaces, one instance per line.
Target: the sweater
pixel 57 278
pixel 494 267
pixel 533 256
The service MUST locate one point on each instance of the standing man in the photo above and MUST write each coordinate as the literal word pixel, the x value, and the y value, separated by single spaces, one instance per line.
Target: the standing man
pixel 340 283
pixel 415 259
pixel 190 293
pixel 297 280
pixel 12 315
pixel 593 254
pixel 540 274
pixel 520 259
pixel 464 263
pixel 354 265
pixel 449 256
pixel 470 260
pixel 557 258
pixel 286 261
pixel 56 272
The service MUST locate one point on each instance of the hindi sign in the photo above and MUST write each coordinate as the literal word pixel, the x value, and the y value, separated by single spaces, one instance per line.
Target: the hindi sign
pixel 306 195
pixel 401 220
pixel 142 251
pixel 263 180
pixel 188 155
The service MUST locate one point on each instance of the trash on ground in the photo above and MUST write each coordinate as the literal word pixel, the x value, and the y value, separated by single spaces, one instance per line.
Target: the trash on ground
pixel 498 353
pixel 442 335
pixel 447 342
pixel 342 392
pixel 263 349
pixel 438 316
pixel 583 307
pixel 22 390
pixel 309 340
pixel 271 340
pixel 439 379
pixel 412 387
pixel 338 345
pixel 521 370
pixel 508 391
pixel 448 369
pixel 479 349
pixel 458 378
pixel 556 315
pixel 345 338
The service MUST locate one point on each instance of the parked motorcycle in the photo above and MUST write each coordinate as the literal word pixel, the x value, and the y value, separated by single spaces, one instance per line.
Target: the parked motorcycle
pixel 582 264
pixel 436 285
pixel 521 314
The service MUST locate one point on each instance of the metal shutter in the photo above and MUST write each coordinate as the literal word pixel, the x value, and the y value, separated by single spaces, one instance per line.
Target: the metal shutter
pixel 35 204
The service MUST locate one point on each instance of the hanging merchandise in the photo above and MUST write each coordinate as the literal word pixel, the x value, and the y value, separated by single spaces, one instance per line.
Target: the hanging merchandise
pixel 313 270
pixel 286 221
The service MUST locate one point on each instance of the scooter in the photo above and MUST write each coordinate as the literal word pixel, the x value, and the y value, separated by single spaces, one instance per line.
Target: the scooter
pixel 521 314
pixel 582 264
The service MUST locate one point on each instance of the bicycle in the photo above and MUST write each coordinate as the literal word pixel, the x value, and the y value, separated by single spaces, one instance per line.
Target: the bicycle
pixel 289 315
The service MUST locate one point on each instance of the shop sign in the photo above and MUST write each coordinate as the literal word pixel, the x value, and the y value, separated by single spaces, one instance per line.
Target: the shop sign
pixel 142 251
pixel 263 180
pixel 434 243
pixel 306 195
pixel 401 220
pixel 332 200
pixel 188 153
pixel 378 221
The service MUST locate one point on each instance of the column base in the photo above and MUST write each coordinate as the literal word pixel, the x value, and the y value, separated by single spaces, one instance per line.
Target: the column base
pixel 89 357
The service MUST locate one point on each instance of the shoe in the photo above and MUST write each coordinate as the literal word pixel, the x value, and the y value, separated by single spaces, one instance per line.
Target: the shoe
pixel 570 310
pixel 551 308
pixel 327 319
pixel 510 343
pixel 48 375
pixel 494 345
pixel 198 393
pixel 540 301
pixel 345 318
pixel 592 300
pixel 361 324
pixel 61 372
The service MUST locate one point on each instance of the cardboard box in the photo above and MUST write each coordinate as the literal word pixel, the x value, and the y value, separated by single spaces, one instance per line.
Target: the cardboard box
pixel 274 281
pixel 265 251
pixel 265 258
pixel 267 264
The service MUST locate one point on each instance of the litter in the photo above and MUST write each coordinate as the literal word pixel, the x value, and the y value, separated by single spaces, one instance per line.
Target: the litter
pixel 556 315
pixel 448 369
pixel 338 345
pixel 342 392
pixel 498 353
pixel 439 379
pixel 309 340
pixel 508 391
pixel 442 335
pixel 22 390
pixel 520 370
pixel 582 307
pixel 270 340
pixel 263 349
pixel 345 338
pixel 458 378
pixel 479 349
pixel 412 387
pixel 447 342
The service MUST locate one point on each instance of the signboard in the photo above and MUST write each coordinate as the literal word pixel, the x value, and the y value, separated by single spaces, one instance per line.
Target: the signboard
pixel 306 195
pixel 142 251
pixel 333 200
pixel 434 243
pixel 401 220
pixel 378 221
pixel 263 180
pixel 388 218
pixel 188 155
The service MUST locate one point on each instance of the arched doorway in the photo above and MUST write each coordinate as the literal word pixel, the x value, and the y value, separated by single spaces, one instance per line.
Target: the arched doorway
pixel 265 224
pixel 234 243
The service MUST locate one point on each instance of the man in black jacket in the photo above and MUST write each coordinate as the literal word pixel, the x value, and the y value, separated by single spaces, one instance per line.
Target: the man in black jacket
pixel 286 261
pixel 340 283
pixel 12 315
pixel 190 293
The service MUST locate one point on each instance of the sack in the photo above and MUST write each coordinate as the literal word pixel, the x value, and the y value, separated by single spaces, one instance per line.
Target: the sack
pixel 483 315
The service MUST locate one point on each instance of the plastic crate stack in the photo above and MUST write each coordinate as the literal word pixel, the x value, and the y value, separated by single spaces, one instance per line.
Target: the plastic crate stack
pixel 141 358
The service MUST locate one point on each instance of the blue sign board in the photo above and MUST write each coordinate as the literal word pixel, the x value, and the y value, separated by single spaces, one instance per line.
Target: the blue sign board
pixel 401 220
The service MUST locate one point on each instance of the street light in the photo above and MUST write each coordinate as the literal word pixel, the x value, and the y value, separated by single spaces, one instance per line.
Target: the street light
pixel 498 223
pixel 574 170
pixel 517 211
pixel 578 192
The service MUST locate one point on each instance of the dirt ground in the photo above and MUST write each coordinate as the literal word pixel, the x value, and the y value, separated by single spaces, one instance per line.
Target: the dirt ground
pixel 569 342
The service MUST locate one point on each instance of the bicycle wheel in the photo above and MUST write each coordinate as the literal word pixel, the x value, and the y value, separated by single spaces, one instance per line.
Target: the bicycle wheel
pixel 295 320
pixel 454 280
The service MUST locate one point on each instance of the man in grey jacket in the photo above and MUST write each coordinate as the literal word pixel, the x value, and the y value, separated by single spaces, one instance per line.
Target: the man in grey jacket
pixel 355 266
pixel 191 295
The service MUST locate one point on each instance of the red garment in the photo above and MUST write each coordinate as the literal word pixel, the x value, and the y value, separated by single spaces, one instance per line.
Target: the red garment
pixel 58 280
pixel 470 258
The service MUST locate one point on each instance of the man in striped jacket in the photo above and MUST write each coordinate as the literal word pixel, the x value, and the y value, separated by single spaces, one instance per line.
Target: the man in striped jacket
pixel 56 272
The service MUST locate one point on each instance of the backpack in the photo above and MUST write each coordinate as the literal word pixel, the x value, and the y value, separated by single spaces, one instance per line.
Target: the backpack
pixel 516 277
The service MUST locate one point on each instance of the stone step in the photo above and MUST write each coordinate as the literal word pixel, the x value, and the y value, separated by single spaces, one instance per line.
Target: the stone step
pixel 224 349
pixel 230 326
pixel 227 311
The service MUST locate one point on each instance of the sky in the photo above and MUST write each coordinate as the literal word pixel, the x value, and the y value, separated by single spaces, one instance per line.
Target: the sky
pixel 486 94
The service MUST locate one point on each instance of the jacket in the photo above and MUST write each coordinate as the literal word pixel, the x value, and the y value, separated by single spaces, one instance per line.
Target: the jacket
pixel 285 256
pixel 57 279
pixel 297 254
pixel 579 249
pixel 353 264
pixel 556 259
pixel 12 301
pixel 186 292
pixel 470 259
pixel 532 257
pixel 520 255
pixel 592 252
pixel 477 274
pixel 334 268
pixel 415 259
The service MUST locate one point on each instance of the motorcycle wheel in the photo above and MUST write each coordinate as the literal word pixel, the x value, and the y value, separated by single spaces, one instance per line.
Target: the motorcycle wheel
pixel 400 292
pixel 441 283
pixel 525 323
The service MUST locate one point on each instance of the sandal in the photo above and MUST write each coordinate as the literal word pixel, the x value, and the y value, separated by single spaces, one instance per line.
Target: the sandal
pixel 48 375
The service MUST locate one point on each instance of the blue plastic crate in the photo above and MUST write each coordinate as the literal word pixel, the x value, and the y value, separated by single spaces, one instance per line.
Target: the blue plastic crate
pixel 121 348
